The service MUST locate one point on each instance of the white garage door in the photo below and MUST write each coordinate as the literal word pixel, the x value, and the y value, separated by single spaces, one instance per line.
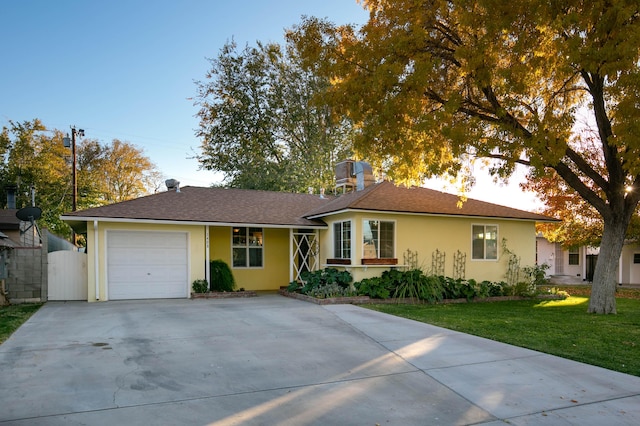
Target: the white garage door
pixel 147 265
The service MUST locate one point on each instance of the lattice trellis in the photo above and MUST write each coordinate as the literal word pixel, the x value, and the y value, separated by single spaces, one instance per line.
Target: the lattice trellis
pixel 459 265
pixel 305 253
pixel 513 269
pixel 437 262
pixel 411 259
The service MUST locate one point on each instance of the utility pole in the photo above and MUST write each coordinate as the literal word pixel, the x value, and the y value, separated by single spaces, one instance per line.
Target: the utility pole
pixel 74 172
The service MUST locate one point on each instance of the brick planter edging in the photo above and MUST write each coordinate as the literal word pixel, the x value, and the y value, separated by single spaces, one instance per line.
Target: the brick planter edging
pixel 223 294
pixel 354 300
pixel 364 300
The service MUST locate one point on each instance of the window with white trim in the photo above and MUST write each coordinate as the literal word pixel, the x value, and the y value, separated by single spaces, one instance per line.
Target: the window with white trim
pixel 484 242
pixel 378 239
pixel 342 240
pixel 246 246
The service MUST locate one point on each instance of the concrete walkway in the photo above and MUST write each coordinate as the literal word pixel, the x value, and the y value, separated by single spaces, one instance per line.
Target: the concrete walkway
pixel 272 360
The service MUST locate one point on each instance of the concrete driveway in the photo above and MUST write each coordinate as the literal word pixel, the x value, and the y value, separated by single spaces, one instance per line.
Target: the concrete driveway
pixel 272 360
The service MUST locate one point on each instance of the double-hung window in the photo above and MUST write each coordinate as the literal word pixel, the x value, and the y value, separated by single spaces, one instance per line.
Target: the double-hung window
pixel 484 242
pixel 342 240
pixel 378 239
pixel 247 247
pixel 574 256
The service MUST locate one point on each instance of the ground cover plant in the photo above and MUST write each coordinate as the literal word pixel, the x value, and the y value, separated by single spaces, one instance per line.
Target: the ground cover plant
pixel 323 283
pixel 13 316
pixel 557 327
pixel 413 284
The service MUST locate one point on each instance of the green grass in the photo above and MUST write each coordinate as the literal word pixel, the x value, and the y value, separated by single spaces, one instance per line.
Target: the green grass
pixel 558 327
pixel 12 317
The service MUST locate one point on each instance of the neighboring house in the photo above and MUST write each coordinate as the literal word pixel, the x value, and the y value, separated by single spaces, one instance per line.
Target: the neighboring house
pixel 10 224
pixel 155 246
pixel 576 265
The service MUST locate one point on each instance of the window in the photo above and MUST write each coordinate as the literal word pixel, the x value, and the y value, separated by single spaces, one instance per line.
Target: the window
pixel 574 256
pixel 636 258
pixel 342 240
pixel 247 247
pixel 485 242
pixel 378 239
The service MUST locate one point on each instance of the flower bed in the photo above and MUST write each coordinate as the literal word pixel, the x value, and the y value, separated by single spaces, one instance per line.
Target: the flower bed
pixel 364 300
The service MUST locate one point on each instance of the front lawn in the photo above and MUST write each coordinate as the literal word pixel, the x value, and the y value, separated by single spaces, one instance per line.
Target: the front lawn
pixel 557 327
pixel 13 316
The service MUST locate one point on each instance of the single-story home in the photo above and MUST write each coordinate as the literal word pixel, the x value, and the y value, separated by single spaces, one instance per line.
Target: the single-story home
pixel 156 246
pixel 577 264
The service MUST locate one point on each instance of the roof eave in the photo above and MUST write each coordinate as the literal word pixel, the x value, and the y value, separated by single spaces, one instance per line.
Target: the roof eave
pixel 77 220
pixel 467 216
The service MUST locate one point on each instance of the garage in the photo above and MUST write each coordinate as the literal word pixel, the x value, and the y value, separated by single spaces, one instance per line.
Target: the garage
pixel 147 265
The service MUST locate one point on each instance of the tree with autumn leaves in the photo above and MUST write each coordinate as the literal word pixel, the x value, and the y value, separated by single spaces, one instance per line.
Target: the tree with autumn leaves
pixel 35 157
pixel 432 83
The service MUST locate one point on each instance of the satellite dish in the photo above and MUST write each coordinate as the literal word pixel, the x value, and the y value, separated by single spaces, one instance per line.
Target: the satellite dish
pixel 29 213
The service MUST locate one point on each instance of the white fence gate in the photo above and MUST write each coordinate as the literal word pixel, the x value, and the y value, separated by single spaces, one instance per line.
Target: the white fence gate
pixel 67 278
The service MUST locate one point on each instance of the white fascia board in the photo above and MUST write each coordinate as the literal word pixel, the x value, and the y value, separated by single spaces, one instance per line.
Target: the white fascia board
pixel 186 222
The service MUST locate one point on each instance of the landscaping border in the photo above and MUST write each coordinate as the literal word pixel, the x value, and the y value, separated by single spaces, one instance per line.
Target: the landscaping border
pixel 365 300
pixel 223 294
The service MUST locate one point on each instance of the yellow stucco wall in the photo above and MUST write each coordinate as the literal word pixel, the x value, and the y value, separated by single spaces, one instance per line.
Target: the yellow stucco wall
pixel 196 245
pixel 425 234
pixel 418 233
pixel 275 268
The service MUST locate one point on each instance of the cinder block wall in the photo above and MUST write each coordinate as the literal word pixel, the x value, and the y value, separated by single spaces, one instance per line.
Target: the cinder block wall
pixel 27 274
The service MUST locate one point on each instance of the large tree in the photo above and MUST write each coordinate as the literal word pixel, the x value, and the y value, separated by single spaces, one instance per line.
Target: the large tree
pixel 35 157
pixel 581 224
pixel 429 82
pixel 258 124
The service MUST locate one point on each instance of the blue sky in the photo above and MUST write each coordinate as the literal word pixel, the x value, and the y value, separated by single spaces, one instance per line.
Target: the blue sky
pixel 125 69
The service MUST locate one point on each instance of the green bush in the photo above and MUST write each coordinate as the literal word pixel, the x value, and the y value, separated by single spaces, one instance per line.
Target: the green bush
pixel 537 274
pixel 522 288
pixel 293 286
pixel 315 279
pixel 200 286
pixel 416 284
pixel 459 288
pixel 373 287
pixel 330 290
pixel 221 276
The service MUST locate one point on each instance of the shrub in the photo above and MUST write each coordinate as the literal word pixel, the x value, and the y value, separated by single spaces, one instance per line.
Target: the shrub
pixel 315 279
pixel 293 286
pixel 537 274
pixel 459 288
pixel 494 289
pixel 200 286
pixel 414 284
pixel 221 276
pixel 522 288
pixel 373 287
pixel 330 290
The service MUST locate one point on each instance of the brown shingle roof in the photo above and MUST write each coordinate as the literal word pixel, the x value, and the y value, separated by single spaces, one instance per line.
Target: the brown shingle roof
pixel 238 206
pixel 387 197
pixel 214 205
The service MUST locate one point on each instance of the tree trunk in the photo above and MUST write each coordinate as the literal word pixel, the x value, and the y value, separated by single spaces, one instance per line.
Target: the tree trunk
pixel 605 276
